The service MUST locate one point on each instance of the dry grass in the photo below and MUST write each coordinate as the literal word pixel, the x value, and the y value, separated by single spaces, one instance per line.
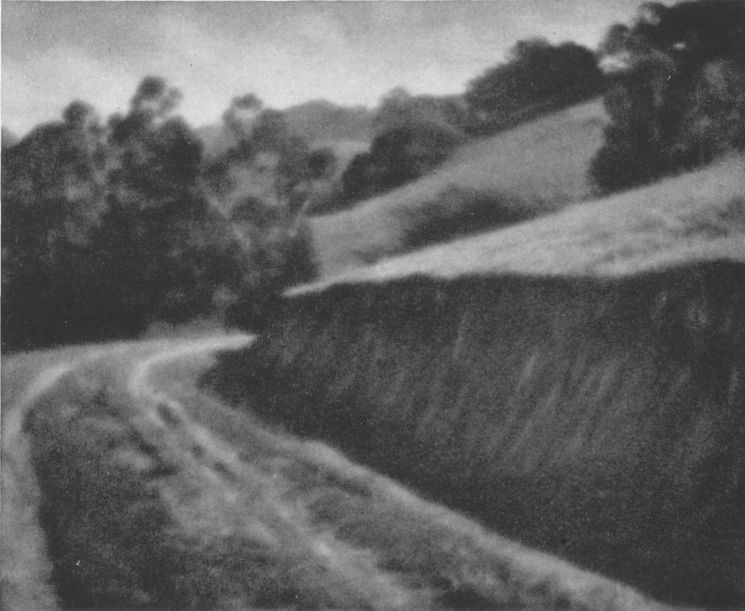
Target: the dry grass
pixel 696 216
pixel 523 172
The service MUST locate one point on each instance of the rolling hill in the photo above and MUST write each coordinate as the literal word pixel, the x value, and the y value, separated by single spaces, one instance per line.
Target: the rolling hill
pixel 535 168
pixel 576 382
pixel 547 416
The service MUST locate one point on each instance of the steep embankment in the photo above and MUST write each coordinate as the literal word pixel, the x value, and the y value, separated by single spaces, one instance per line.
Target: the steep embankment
pixel 592 405
pixel 520 173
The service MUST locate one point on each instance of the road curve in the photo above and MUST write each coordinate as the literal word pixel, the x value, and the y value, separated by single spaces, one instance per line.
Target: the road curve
pixel 166 480
pixel 26 570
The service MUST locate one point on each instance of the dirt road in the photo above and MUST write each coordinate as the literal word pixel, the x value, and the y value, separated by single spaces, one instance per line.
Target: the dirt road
pixel 125 484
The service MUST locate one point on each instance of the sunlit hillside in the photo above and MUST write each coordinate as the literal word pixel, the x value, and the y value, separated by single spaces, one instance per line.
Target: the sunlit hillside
pixel 532 169
pixel 699 215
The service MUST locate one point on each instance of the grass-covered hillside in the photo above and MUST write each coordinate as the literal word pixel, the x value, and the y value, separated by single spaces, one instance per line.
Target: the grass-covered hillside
pixel 532 169
pixel 575 382
pixel 699 215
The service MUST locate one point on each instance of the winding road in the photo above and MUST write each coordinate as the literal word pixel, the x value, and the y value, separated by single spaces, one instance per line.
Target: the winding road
pixel 124 483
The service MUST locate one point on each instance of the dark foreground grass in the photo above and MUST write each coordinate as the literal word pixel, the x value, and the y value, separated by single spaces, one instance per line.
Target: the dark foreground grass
pixel 598 419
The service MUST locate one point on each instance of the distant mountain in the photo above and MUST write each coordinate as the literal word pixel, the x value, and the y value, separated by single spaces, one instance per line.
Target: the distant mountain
pixel 318 122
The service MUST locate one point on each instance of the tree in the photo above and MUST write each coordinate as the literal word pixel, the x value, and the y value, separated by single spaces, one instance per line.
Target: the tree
pixel 263 184
pixel 536 77
pixel 414 134
pixel 54 197
pixel 161 237
pixel 322 163
pixel 240 115
pixel 677 97
pixel 109 228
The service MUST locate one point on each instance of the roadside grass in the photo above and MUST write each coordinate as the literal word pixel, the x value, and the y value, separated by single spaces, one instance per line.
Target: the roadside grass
pixel 535 168
pixel 450 561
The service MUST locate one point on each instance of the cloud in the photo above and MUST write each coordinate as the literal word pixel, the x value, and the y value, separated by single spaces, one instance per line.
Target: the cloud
pixel 30 92
pixel 286 52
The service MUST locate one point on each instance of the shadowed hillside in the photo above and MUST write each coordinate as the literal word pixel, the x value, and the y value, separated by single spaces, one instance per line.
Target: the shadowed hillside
pixel 587 400
pixel 529 170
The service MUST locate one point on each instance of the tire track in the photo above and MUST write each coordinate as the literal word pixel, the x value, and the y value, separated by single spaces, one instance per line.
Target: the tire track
pixel 251 495
pixel 241 506
pixel 26 568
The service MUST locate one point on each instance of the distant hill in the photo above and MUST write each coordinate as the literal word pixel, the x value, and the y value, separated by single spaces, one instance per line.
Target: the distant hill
pixel 347 130
pixel 320 120
pixel 535 168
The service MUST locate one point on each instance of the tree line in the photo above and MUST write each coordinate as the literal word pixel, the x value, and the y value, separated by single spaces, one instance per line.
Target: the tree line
pixel 110 227
pixel 673 85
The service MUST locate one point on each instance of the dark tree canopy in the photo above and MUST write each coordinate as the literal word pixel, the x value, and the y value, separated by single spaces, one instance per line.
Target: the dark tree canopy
pixel 108 228
pixel 414 134
pixel 536 77
pixel 678 95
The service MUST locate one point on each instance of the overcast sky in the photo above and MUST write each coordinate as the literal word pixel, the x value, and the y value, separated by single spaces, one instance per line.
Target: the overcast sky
pixel 284 52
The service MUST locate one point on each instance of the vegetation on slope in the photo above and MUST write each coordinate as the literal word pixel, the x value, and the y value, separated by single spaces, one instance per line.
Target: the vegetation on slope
pixel 597 419
pixel 521 173
pixel 536 78
pixel 698 215
pixel 575 381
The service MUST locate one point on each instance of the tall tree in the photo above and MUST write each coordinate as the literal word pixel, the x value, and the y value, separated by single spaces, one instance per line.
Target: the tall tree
pixel 161 238
pixel 677 96
pixel 54 198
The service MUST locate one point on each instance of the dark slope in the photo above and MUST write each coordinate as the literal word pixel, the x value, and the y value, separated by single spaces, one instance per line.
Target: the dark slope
pixel 600 419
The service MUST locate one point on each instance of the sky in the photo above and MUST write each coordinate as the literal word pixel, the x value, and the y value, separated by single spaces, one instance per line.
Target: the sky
pixel 347 52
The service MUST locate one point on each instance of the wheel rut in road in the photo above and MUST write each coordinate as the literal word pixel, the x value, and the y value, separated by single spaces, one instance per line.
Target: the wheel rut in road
pixel 150 492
